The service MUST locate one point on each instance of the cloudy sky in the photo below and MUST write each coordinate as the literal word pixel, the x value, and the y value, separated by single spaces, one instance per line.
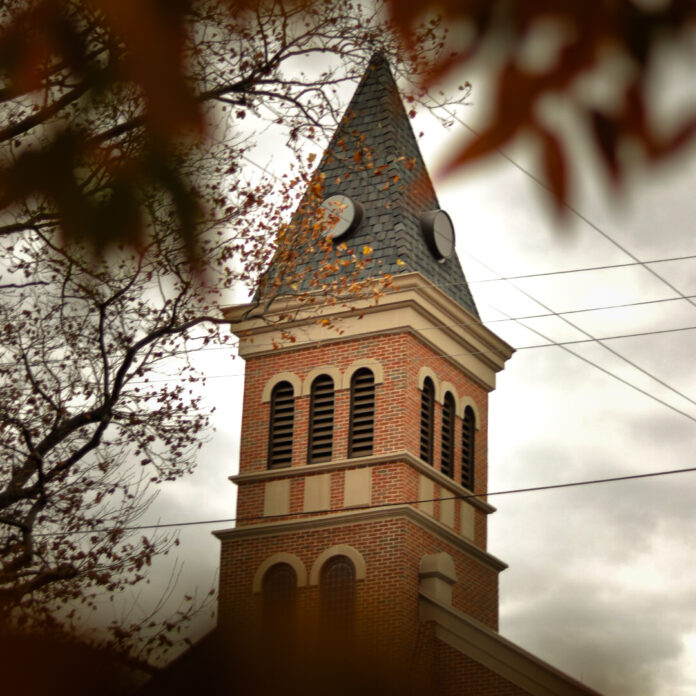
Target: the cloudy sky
pixel 602 578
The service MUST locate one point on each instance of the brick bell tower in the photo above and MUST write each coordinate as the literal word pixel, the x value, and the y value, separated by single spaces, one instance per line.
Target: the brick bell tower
pixel 360 450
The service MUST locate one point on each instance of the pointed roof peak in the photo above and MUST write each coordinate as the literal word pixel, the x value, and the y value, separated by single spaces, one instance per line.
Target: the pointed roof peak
pixel 378 57
pixel 374 159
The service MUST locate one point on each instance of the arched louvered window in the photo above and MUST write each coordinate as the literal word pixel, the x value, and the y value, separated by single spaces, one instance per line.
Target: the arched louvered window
pixel 321 420
pixel 468 434
pixel 426 420
pixel 279 595
pixel 337 590
pixel 361 433
pixel 447 456
pixel 281 425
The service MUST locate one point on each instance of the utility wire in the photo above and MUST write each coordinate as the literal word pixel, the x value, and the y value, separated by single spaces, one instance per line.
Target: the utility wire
pixel 578 214
pixel 614 375
pixel 601 342
pixel 613 351
pixel 485 322
pixel 234 344
pixel 465 496
pixel 610 239
pixel 635 262
pixel 622 305
pixel 550 344
pixel 582 270
pixel 557 314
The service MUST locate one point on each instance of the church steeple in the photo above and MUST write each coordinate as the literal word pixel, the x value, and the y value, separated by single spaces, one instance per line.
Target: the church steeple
pixel 374 160
pixel 361 526
pixel 362 429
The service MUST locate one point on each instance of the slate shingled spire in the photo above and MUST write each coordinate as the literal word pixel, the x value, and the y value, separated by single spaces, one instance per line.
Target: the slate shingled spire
pixel 374 158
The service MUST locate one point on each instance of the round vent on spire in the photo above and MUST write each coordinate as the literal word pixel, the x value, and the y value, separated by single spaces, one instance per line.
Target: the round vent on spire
pixel 340 216
pixel 438 231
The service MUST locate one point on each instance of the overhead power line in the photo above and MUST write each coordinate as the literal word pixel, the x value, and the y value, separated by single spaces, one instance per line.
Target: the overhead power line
pixel 550 344
pixel 617 377
pixel 585 269
pixel 419 501
pixel 590 337
pixel 560 315
pixel 486 322
pixel 544 315
pixel 622 305
pixel 623 249
pixel 579 215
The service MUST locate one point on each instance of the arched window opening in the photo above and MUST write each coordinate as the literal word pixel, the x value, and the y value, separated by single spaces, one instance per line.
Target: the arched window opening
pixel 337 590
pixel 279 595
pixel 468 434
pixel 426 420
pixel 447 456
pixel 321 419
pixel 361 433
pixel 281 425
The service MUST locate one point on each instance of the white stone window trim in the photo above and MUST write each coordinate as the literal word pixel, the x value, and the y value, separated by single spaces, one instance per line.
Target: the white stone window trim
pixel 355 557
pixel 449 387
pixel 281 377
pixel 371 363
pixel 341 381
pixel 424 372
pixel 468 401
pixel 293 561
pixel 330 370
pixel 442 387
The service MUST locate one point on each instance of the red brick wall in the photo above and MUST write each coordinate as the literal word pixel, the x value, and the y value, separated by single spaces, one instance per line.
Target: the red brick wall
pixel 456 674
pixel 397 412
pixel 397 424
pixel 387 598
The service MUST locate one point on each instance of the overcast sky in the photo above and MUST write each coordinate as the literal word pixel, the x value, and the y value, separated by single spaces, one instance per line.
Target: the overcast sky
pixel 602 578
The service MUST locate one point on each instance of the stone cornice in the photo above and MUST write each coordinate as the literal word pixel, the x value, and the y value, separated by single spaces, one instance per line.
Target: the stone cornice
pixel 414 305
pixel 359 516
pixel 359 462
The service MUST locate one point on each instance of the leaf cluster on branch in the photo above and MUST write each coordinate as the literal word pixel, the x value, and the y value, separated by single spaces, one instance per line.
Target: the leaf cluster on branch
pixel 550 48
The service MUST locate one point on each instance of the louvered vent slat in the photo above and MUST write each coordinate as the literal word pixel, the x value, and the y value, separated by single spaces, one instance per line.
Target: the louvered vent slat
pixel 362 414
pixel 364 430
pixel 447 456
pixel 468 434
pixel 281 426
pixel 321 420
pixel 426 421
